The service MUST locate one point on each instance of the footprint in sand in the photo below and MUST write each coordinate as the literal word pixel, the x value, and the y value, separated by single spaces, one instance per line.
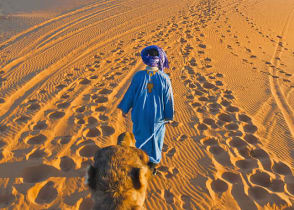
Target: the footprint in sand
pixel 232 126
pixel 231 177
pixel 164 147
pixel 210 122
pixel 175 124
pixel 210 86
pixel 93 77
pixel 163 169
pixel 249 128
pixel 220 155
pixel 107 130
pixel 22 119
pixel 259 154
pixel 66 163
pixel 91 69
pixel 105 91
pixel 244 152
pixel 79 121
pixel 63 105
pixel 67 80
pixel 219 83
pixel 85 81
pixel 37 154
pixel 244 118
pixel 113 85
pixel 65 96
pixel 190 97
pixel 182 40
pixel 103 117
pixel 219 75
pixel 70 89
pixel 289 184
pixel 225 103
pixel 229 96
pixel 187 200
pixel 261 178
pixel 258 193
pixel 34 107
pixel 209 141
pixel 101 109
pixel 182 137
pixel 47 193
pixel 92 121
pixel 225 117
pixel 277 185
pixel 246 164
pixel 232 109
pixel 101 99
pixel 216 150
pixel 251 139
pixel 92 132
pixel 202 127
pixel 80 109
pixel 60 87
pixel 64 139
pixel 41 125
pixel 171 152
pixel 195 104
pixel 88 150
pixel 169 197
pixel 214 108
pixel 281 168
pixel 38 139
pixel 237 142
pixel 169 174
pixel 38 173
pixel 219 186
pixel 203 46
pixel 56 115
pixel 263 157
pixel 175 171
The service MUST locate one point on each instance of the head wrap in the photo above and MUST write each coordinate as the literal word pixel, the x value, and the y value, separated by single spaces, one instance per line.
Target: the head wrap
pixel 155 61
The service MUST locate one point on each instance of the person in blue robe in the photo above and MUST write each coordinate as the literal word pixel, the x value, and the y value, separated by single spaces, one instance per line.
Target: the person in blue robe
pixel 150 97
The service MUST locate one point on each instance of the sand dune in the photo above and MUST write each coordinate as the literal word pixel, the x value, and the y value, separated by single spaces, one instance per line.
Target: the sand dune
pixel 64 67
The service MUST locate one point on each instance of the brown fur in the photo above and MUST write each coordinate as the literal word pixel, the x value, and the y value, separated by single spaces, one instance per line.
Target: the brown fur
pixel 126 139
pixel 119 177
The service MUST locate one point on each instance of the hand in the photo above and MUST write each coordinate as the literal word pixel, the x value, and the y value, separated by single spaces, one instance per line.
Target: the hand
pixel 168 122
pixel 124 115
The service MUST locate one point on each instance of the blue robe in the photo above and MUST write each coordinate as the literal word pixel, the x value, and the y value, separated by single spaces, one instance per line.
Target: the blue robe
pixel 150 110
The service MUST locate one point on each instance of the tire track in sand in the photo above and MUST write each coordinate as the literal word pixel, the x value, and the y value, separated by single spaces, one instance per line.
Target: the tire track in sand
pixel 278 95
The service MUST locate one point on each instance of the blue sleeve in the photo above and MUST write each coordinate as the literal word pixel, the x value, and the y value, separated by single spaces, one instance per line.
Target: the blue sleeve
pixel 168 102
pixel 127 102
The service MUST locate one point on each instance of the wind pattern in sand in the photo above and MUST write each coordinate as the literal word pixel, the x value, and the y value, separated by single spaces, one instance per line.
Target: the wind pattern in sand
pixel 232 65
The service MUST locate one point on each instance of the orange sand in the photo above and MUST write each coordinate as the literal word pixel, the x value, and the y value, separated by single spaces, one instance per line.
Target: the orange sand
pixel 65 65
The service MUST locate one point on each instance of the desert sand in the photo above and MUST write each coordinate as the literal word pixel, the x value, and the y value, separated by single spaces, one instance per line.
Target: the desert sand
pixel 65 65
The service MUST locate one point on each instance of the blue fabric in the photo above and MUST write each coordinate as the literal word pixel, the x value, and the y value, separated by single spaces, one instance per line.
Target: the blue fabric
pixel 150 110
pixel 155 61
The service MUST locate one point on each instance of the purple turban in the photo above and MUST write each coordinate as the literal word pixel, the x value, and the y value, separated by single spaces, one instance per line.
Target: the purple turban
pixel 155 61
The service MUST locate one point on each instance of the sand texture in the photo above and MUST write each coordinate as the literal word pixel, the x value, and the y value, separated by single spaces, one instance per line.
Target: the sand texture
pixel 65 65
